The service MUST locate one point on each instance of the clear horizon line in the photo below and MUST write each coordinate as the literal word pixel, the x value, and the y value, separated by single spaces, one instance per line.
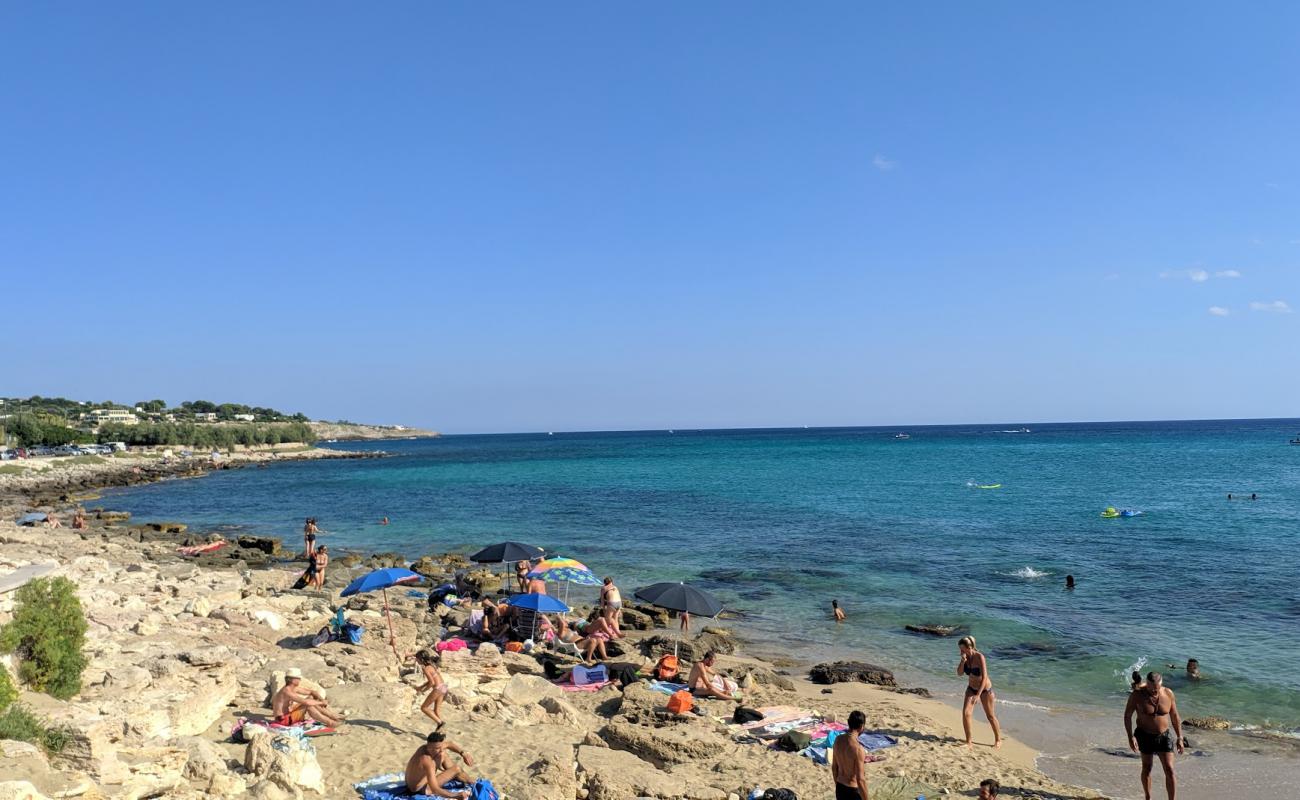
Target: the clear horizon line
pixel 895 427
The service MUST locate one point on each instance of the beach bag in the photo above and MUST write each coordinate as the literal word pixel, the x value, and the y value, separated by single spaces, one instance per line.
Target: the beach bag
pixel 585 675
pixel 743 715
pixel 681 702
pixel 353 632
pixel 793 741
pixel 780 794
pixel 483 790
pixel 514 647
pixel 667 668
pixel 322 636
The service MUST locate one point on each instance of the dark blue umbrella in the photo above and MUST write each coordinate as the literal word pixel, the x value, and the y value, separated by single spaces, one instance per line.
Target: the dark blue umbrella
pixel 505 552
pixel 682 598
pixel 540 604
pixel 381 579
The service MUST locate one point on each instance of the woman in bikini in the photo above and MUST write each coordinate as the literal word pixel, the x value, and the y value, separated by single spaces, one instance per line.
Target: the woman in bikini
pixel 433 684
pixel 612 603
pixel 320 559
pixel 975 667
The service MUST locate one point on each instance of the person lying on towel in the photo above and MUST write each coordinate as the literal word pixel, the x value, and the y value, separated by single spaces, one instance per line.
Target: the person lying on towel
pixel 431 766
pixel 704 682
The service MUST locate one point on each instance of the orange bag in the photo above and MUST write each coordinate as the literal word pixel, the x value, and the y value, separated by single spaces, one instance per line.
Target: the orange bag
pixel 515 647
pixel 681 702
pixel 667 668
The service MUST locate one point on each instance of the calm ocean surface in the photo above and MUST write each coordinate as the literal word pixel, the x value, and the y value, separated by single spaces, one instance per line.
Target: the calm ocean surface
pixel 779 522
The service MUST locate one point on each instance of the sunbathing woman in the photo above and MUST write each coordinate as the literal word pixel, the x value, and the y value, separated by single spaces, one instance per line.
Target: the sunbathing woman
pixel 979 687
pixel 595 635
pixel 433 684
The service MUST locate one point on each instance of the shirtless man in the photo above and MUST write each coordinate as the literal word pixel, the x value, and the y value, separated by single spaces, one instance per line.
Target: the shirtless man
pixel 431 766
pixel 1159 730
pixel 294 703
pixel 701 680
pixel 848 764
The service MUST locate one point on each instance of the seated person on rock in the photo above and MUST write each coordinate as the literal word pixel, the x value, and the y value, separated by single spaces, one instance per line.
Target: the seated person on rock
pixel 294 703
pixel 431 766
pixel 594 636
pixel 704 682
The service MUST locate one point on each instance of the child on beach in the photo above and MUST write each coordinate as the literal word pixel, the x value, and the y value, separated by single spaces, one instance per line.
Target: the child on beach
pixel 433 684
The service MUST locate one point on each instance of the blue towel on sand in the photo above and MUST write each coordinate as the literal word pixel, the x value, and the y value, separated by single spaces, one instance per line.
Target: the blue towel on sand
pixel 667 687
pixel 876 741
pixel 393 787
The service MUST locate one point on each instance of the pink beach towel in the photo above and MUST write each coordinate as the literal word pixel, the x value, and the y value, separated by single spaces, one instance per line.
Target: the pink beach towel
pixel 450 645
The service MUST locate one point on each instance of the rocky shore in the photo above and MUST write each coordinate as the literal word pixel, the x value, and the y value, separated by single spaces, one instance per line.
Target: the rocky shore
pixel 182 647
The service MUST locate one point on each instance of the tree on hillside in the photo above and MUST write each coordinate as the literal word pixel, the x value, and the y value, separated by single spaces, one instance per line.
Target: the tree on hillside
pixel 199 406
pixel 152 406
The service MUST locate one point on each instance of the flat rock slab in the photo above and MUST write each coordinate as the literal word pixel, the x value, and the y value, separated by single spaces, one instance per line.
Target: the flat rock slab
pixel 850 672
pixel 22 575
pixel 618 775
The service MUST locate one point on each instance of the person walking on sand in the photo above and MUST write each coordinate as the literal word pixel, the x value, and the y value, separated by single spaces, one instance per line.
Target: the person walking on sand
pixel 294 703
pixel 320 559
pixel 848 761
pixel 1159 730
pixel 431 766
pixel 433 684
pixel 979 688
pixel 612 602
pixel 836 611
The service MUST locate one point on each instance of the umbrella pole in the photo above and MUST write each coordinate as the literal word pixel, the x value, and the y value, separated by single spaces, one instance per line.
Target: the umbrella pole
pixel 392 637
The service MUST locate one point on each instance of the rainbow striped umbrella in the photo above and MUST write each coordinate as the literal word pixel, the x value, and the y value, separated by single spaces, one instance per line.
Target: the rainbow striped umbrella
pixel 566 571
pixel 556 563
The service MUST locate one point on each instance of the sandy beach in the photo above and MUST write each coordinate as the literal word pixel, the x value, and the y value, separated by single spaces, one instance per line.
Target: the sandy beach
pixel 181 648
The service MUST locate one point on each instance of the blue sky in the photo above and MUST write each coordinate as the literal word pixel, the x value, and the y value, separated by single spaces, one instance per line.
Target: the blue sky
pixel 589 216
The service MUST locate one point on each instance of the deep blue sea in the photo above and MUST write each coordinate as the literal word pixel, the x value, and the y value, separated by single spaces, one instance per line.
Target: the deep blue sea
pixel 779 522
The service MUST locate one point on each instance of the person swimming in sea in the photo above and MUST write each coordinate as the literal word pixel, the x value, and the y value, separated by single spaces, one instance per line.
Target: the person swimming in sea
pixel 979 688
pixel 1069 581
pixel 836 611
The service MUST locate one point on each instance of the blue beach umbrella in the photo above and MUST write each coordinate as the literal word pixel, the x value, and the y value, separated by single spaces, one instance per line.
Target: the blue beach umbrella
pixel 539 604
pixel 381 579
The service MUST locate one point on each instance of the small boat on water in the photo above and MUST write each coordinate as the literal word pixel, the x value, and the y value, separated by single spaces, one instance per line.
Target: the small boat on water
pixel 902 436
pixel 1296 440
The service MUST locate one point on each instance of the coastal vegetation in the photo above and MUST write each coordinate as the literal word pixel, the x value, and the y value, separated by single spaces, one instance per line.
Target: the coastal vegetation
pixel 223 437
pixel 18 723
pixel 47 633
pixel 8 693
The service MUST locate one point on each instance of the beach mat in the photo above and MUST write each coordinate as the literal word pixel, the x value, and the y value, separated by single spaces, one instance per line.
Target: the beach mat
pixel 899 789
pixel 392 786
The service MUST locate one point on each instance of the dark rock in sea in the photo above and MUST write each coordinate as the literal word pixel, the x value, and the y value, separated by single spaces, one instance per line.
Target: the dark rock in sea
pixel 168 527
pixel 349 561
pixel 1208 723
pixel 635 620
pixel 385 560
pixel 112 516
pixel 850 672
pixel 934 630
pixel 262 544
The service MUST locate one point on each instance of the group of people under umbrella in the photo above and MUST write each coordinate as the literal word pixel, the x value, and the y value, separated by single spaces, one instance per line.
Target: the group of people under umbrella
pixel 681 598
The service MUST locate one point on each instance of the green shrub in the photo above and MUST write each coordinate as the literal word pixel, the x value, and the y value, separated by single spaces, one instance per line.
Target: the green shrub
pixel 8 693
pixel 47 631
pixel 17 722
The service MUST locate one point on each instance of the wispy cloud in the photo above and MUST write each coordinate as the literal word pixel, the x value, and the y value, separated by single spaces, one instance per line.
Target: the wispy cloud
pixel 1199 275
pixel 1219 311
pixel 1275 307
pixel 883 164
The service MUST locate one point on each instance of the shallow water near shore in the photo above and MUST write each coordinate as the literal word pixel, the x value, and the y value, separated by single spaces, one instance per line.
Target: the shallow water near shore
pixel 779 522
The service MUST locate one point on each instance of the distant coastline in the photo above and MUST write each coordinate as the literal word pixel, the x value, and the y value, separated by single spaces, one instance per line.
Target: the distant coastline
pixel 351 431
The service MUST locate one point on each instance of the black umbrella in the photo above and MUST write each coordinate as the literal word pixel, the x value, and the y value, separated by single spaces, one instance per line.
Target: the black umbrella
pixel 506 552
pixel 680 597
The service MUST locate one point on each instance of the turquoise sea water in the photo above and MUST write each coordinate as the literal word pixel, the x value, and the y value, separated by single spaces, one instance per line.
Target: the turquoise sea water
pixel 779 522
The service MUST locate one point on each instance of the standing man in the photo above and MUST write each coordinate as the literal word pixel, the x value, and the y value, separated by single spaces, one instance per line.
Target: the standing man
pixel 848 762
pixel 1159 730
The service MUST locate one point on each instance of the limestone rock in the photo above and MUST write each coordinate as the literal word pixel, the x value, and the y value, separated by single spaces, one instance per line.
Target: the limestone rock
pixel 618 775
pixel 19 790
pixel 639 702
pixel 285 761
pixel 148 626
pixel 269 618
pixel 199 607
pixel 528 689
pixel 851 671
pixel 933 630
pixel 674 744
pixel 1208 723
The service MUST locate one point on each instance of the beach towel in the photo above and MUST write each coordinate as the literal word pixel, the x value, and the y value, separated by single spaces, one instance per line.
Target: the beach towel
pixel 775 714
pixel 782 728
pixel 309 728
pixel 590 687
pixel 876 741
pixel 450 644
pixel 200 549
pixel 666 687
pixel 416 593
pixel 392 786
